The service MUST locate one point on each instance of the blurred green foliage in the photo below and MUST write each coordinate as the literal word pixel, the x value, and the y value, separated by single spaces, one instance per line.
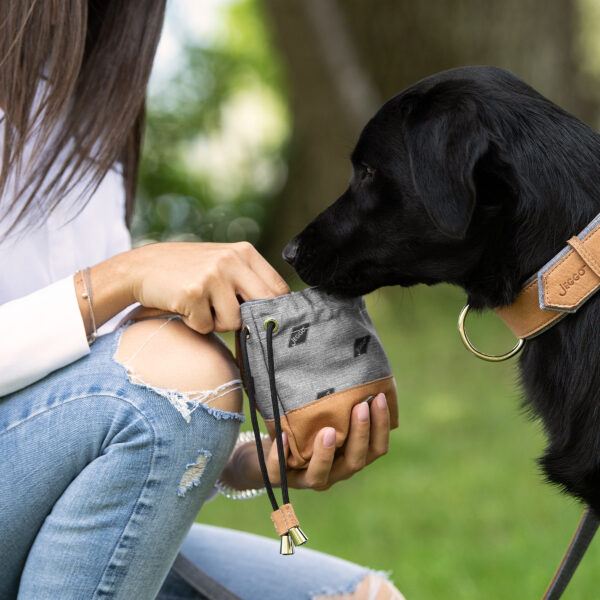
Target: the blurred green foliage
pixel 199 180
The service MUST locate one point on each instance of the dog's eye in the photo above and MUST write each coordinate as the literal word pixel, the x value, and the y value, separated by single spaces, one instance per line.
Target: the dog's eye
pixel 367 171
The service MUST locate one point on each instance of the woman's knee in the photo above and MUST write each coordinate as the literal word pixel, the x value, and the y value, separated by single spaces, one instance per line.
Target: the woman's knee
pixel 189 370
pixel 167 355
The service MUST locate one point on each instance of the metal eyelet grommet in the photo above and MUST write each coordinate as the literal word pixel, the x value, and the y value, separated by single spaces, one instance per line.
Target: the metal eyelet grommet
pixel 469 346
pixel 271 320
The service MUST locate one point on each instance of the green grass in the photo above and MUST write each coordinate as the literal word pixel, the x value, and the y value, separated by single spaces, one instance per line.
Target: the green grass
pixel 458 508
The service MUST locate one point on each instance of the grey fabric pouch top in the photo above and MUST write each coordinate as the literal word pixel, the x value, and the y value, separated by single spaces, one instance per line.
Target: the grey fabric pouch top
pixel 326 357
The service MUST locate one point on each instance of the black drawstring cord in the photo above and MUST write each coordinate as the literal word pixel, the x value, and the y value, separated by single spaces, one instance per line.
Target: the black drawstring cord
pixel 283 517
pixel 276 415
pixel 253 417
pixel 276 418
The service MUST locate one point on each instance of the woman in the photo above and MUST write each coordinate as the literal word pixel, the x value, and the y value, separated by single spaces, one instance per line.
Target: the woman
pixel 110 444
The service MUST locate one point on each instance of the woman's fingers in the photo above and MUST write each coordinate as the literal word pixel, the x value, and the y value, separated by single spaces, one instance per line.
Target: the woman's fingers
pixel 201 318
pixel 221 309
pixel 317 475
pixel 201 281
pixel 251 285
pixel 380 428
pixel 273 460
pixel 357 444
pixel 226 308
pixel 265 272
pixel 367 440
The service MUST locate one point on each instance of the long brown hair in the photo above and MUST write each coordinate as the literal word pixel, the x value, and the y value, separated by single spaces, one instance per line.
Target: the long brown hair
pixel 95 57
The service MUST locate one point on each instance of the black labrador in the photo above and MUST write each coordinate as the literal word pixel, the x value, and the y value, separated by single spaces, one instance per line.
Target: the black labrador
pixel 472 177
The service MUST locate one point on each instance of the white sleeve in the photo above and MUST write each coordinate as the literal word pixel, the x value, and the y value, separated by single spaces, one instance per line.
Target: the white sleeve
pixel 39 333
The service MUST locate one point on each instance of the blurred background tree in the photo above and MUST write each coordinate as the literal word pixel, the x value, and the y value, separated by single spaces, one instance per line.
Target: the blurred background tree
pixel 254 109
pixel 217 128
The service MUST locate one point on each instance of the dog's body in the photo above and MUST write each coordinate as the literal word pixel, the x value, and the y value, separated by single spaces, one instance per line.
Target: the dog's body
pixel 472 177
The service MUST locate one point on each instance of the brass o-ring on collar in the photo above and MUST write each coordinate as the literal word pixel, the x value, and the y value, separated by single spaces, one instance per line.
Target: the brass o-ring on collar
pixel 469 346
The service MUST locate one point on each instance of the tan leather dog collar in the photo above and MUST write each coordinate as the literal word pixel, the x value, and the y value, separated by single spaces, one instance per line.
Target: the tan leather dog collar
pixel 560 287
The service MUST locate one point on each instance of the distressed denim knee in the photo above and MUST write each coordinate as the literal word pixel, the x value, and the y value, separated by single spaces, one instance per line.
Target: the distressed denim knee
pixel 107 476
pixel 190 370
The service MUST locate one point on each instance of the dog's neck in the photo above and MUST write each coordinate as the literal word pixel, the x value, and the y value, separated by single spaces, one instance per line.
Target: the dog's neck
pixel 563 196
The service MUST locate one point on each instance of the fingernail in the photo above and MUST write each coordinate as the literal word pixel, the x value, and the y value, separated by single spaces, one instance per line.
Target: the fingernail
pixel 381 403
pixel 329 437
pixel 363 412
pixel 284 438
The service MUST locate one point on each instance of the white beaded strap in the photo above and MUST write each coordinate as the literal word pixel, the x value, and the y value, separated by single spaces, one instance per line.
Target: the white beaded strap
pixel 87 294
pixel 233 493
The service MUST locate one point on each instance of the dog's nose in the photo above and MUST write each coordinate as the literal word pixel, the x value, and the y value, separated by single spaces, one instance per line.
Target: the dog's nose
pixel 291 251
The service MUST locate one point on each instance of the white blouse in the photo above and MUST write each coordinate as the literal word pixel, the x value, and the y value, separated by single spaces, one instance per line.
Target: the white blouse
pixel 41 328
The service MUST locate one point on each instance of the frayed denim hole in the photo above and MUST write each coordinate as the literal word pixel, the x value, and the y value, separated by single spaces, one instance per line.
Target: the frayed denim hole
pixel 184 402
pixel 193 473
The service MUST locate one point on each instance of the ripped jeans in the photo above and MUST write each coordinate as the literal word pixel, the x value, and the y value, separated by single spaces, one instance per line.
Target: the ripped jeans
pixel 102 479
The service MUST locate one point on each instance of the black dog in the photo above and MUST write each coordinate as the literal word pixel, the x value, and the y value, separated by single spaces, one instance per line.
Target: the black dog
pixel 472 177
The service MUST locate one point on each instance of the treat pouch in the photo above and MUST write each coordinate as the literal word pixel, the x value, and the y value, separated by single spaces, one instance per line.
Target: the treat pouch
pixel 326 357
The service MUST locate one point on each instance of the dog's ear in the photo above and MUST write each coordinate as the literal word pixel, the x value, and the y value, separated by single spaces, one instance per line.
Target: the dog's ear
pixel 444 147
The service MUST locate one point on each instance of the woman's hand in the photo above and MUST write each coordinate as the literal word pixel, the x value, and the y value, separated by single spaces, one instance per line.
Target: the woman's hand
pixel 368 439
pixel 203 282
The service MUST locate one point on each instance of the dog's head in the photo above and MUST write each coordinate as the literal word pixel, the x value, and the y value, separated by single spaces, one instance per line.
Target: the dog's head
pixel 452 181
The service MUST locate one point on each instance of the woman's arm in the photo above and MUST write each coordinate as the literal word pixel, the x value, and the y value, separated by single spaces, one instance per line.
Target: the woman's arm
pixel 53 336
pixel 204 282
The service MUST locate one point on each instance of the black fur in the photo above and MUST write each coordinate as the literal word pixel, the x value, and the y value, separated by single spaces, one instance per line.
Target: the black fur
pixel 472 177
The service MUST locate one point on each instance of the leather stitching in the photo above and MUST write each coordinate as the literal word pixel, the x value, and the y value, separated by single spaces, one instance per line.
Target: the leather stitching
pixel 587 257
pixel 537 328
pixel 543 321
pixel 546 275
pixel 324 398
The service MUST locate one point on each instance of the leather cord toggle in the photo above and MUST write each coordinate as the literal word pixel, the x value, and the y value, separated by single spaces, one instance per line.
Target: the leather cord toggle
pixel 288 528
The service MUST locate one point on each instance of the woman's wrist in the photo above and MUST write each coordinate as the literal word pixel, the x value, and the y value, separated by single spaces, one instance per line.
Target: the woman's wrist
pixel 111 286
pixel 236 481
pixel 241 472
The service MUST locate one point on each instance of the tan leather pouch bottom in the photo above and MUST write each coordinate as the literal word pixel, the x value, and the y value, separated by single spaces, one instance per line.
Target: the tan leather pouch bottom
pixel 302 424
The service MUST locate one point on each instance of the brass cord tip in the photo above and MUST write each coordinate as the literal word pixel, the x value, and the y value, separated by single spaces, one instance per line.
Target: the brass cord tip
pixel 287 546
pixel 298 536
